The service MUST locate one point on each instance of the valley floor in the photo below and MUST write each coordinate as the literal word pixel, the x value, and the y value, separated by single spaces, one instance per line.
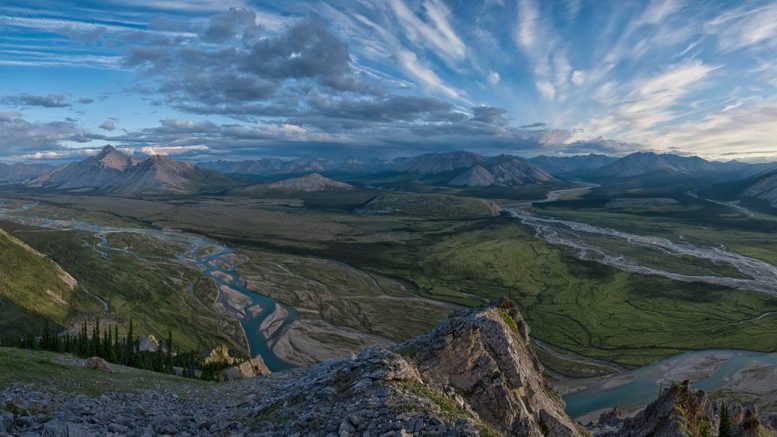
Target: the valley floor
pixel 359 280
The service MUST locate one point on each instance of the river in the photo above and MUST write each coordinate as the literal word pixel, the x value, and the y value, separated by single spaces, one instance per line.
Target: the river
pixel 214 259
pixel 710 370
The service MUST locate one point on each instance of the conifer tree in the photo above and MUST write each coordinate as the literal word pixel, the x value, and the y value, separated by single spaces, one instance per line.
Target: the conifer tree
pixel 725 421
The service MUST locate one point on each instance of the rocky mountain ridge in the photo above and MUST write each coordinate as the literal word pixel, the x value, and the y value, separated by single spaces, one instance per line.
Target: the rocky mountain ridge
pixel 116 173
pixel 650 163
pixel 19 172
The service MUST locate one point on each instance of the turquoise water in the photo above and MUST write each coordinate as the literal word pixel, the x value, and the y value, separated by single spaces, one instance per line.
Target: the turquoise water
pixel 643 384
pixel 218 265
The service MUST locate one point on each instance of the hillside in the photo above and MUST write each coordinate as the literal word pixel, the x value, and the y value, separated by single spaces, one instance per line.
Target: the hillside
pixel 763 188
pixel 17 172
pixel 430 206
pixel 308 184
pixel 113 172
pixel 474 374
pixel 32 288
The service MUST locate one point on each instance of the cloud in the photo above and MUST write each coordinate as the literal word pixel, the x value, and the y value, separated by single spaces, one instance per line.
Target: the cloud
pixel 437 34
pixel 494 77
pixel 410 63
pixel 47 101
pixel 746 27
pixel 21 136
pixel 253 74
pixel 108 125
pixel 533 125
pixel 578 77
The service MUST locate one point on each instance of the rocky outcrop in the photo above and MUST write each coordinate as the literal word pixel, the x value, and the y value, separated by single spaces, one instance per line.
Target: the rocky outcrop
pixel 474 374
pixel 219 355
pixel 248 369
pixel 485 359
pixel 149 344
pixel 681 411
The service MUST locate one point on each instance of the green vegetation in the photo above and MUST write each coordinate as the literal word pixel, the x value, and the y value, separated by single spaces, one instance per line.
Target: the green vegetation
pixel 158 294
pixel 447 405
pixel 430 206
pixel 380 274
pixel 566 366
pixel 67 373
pixel 106 343
pixel 33 289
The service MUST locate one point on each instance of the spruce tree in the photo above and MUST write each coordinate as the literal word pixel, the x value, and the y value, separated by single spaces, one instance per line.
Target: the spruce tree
pixel 725 421
pixel 129 345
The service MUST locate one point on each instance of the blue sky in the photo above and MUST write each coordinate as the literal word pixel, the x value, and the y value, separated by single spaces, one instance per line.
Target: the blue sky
pixel 231 79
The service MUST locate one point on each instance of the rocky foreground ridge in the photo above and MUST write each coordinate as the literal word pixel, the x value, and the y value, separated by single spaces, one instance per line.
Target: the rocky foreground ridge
pixel 474 374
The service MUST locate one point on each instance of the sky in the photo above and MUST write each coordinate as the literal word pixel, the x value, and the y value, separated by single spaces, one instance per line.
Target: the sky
pixel 238 79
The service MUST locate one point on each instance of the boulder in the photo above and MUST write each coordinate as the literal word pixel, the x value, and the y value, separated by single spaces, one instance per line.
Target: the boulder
pixel 97 363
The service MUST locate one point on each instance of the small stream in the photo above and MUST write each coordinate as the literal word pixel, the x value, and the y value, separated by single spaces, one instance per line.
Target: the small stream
pixel 214 259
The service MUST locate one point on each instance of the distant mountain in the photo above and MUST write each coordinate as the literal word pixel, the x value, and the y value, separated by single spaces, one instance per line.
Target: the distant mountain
pixel 436 163
pixel 476 176
pixel 502 171
pixel 570 165
pixel 310 183
pixel 473 170
pixel 279 167
pixel 763 188
pixel 113 172
pixel 248 167
pixel 17 173
pixel 649 163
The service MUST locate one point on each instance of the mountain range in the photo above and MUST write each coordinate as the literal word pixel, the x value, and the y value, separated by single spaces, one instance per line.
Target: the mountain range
pixel 116 173
pixel 763 188
pixel 18 172
pixel 654 164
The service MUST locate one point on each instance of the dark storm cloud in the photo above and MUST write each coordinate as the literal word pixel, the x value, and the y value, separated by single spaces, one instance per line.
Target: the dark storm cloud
pixel 534 125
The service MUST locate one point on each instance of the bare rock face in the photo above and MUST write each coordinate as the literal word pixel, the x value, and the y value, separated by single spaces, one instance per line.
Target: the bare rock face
pixel 149 344
pixel 97 363
pixel 474 374
pixel 485 358
pixel 681 411
pixel 219 355
pixel 248 369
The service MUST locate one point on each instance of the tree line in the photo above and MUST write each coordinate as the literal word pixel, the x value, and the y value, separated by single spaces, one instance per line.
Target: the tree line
pixel 106 343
